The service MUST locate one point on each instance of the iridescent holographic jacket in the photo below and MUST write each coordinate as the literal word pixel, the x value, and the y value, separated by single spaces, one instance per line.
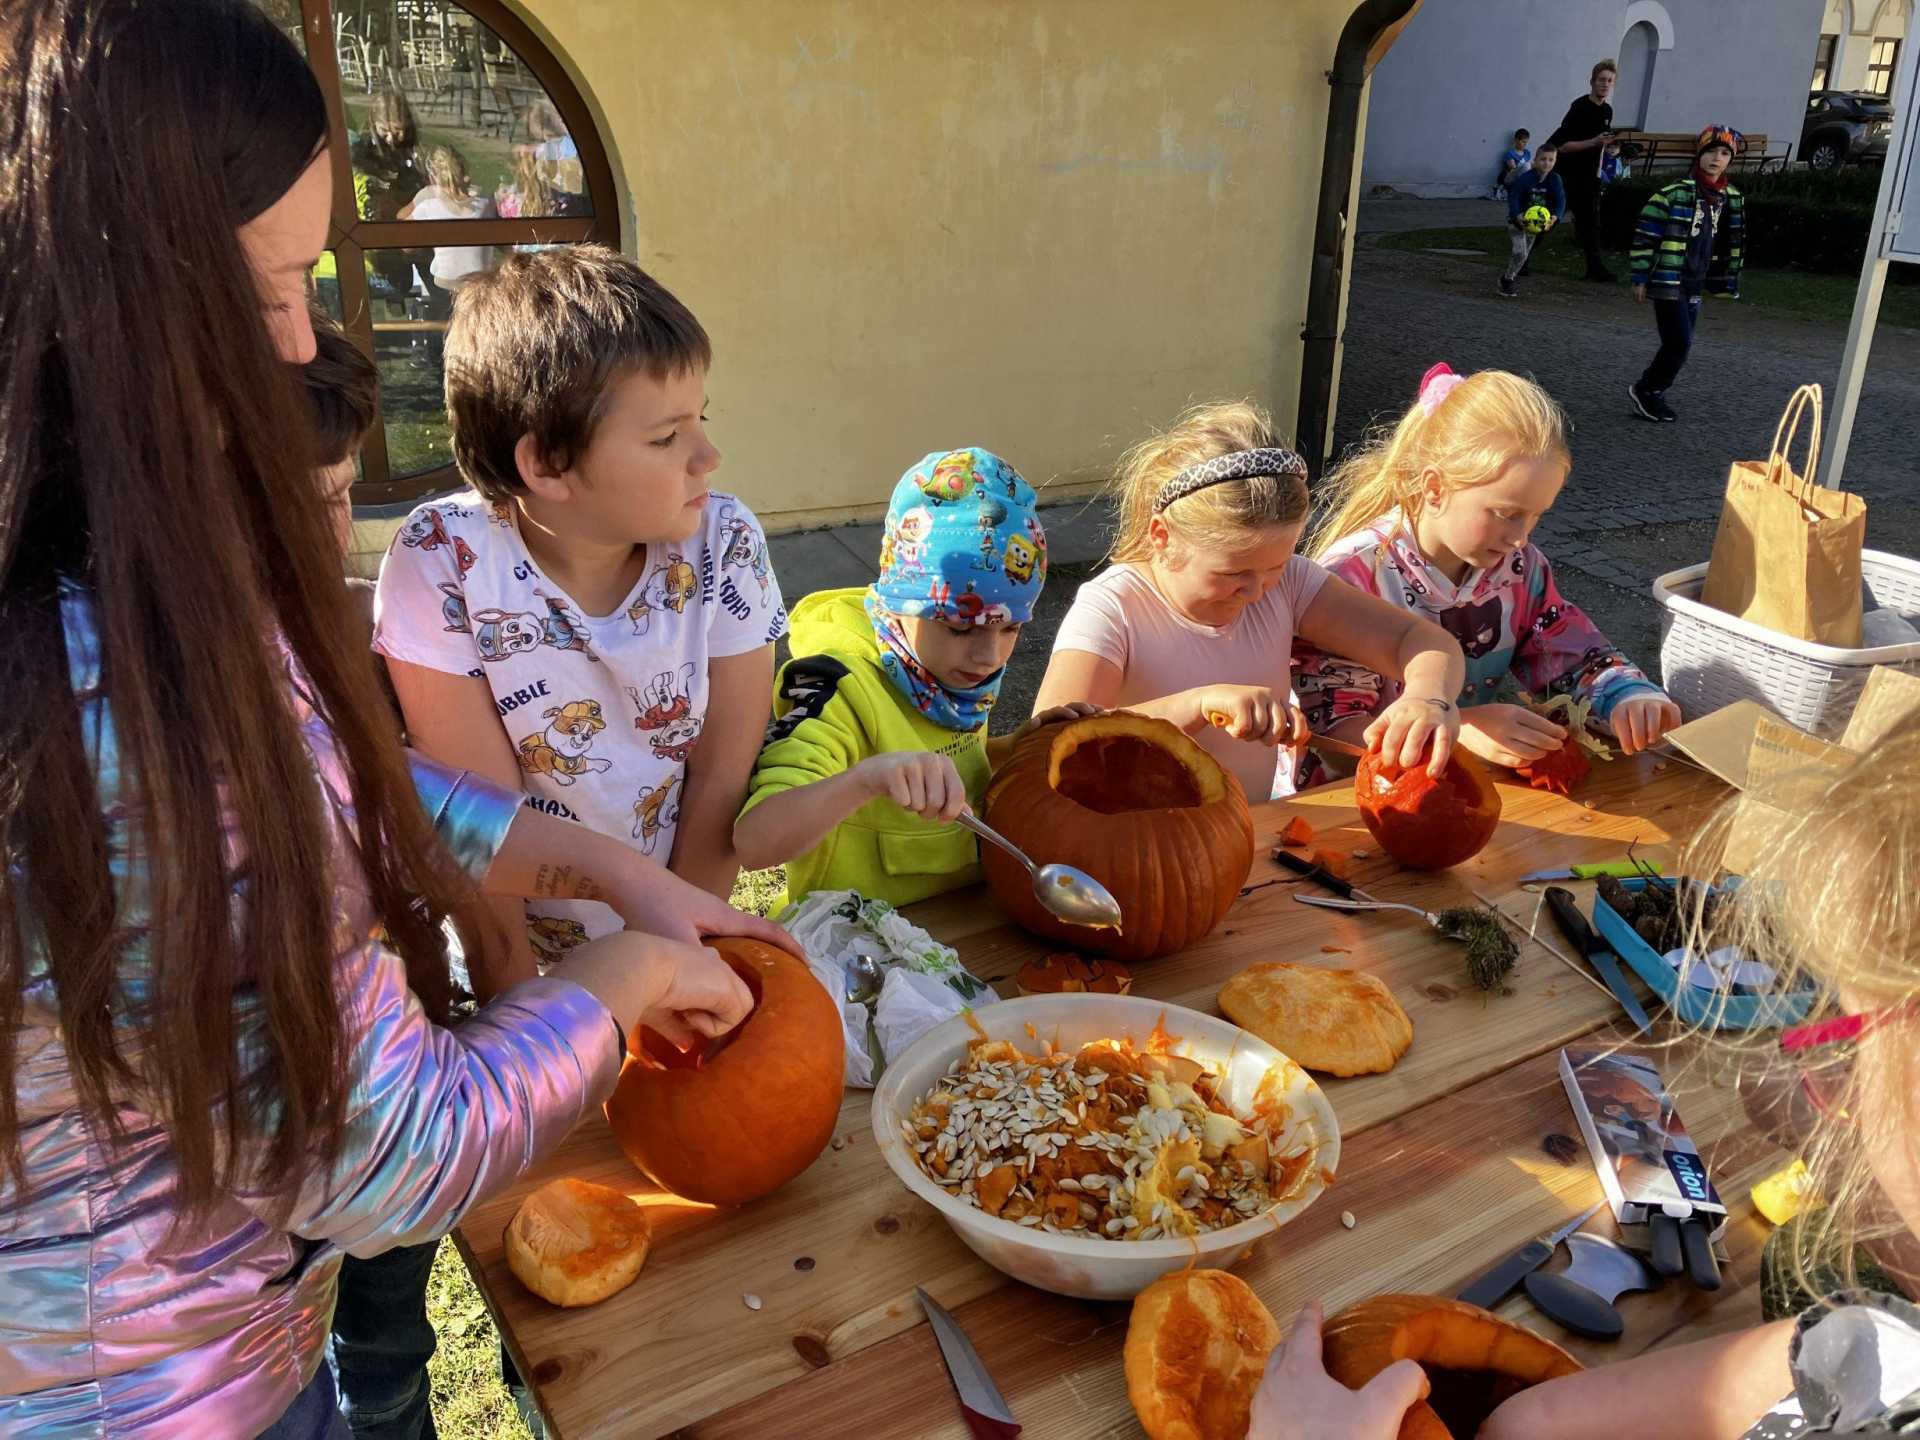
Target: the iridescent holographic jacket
pixel 103 1332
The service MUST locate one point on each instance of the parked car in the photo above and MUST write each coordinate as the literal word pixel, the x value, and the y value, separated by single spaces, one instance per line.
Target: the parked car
pixel 1845 126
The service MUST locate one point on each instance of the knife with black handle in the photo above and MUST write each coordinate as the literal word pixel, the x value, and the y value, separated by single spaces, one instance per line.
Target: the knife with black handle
pixel 1596 951
pixel 1319 874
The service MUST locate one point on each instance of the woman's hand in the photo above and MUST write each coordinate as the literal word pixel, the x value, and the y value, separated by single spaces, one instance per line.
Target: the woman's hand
pixel 685 992
pixel 652 898
pixel 918 781
pixel 1403 730
pixel 1074 710
pixel 1640 720
pixel 1247 712
pixel 1298 1400
pixel 1509 735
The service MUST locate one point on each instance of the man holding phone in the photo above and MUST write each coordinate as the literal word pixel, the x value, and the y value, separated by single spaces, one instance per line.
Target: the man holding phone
pixel 1582 141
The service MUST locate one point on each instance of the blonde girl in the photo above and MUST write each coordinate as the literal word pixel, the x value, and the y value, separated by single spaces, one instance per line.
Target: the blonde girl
pixel 1195 618
pixel 449 194
pixel 1830 900
pixel 1434 517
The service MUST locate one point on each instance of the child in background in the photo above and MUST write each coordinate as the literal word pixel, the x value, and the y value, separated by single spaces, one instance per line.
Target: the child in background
pixel 880 734
pixel 1513 162
pixel 1613 164
pixel 450 195
pixel 1538 186
pixel 525 195
pixel 1195 618
pixel 1829 900
pixel 1433 517
pixel 590 622
pixel 1689 242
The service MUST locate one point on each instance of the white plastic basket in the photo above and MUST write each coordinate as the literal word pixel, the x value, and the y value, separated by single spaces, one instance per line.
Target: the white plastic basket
pixel 1709 659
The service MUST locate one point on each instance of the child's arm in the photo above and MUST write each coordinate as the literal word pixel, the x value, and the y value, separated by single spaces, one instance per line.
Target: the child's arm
pixel 1347 621
pixel 739 699
pixel 1561 652
pixel 1252 712
pixel 1712 1390
pixel 789 822
pixel 451 718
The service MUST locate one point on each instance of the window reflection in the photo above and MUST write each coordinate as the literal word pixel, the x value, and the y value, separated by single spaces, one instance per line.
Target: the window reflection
pixel 417 75
pixel 326 286
pixel 285 14
pixel 411 293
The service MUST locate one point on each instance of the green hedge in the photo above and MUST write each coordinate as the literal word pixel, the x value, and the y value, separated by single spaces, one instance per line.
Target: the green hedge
pixel 1797 218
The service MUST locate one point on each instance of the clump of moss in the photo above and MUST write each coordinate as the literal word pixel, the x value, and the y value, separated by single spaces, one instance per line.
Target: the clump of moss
pixel 1491 953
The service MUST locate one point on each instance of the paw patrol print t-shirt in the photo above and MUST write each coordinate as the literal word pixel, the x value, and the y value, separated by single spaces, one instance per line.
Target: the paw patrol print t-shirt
pixel 602 711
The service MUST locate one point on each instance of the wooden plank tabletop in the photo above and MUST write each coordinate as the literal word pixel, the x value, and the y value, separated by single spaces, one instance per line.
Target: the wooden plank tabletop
pixel 1442 1164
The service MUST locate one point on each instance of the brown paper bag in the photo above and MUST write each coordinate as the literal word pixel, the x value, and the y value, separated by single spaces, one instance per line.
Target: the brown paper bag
pixel 1787 554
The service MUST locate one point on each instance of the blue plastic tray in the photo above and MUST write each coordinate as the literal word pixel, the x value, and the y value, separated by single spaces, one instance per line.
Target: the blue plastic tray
pixel 1694 1006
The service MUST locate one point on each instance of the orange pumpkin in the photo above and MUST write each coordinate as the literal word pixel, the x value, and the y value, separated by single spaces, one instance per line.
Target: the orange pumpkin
pixel 1138 806
pixel 738 1117
pixel 1423 822
pixel 1473 1359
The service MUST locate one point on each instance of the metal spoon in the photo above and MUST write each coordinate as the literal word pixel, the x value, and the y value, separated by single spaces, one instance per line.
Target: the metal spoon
pixel 1327 902
pixel 1072 895
pixel 864 979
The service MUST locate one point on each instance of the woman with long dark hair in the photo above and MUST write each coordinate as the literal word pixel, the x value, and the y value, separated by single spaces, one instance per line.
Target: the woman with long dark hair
pixel 220 961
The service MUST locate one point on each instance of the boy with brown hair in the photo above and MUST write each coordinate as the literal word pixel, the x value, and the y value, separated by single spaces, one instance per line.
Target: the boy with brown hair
pixel 590 622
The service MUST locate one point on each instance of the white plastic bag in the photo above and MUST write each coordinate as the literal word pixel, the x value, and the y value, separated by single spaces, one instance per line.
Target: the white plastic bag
pixel 923 982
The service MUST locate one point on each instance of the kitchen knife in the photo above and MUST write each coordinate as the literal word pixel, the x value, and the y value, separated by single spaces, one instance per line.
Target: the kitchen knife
pixel 1319 874
pixel 1575 927
pixel 986 1412
pixel 1494 1286
pixel 1619 869
pixel 1581 1296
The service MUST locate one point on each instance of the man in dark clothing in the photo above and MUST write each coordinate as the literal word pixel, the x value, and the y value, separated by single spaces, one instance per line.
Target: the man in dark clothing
pixel 1582 141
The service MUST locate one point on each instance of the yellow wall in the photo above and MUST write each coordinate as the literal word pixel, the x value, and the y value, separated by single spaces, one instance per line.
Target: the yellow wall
pixel 1040 226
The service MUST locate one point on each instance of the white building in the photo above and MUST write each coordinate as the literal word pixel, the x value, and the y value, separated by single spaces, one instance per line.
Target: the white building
pixel 1466 73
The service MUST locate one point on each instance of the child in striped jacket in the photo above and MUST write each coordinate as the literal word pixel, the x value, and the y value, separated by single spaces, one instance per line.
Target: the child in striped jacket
pixel 1689 242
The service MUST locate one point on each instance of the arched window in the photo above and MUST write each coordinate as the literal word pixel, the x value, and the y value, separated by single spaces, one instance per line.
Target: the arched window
pixel 456 139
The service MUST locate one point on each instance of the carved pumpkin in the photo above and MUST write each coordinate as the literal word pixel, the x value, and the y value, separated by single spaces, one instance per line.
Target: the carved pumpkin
pixel 1473 1359
pixel 1426 823
pixel 1138 806
pixel 738 1117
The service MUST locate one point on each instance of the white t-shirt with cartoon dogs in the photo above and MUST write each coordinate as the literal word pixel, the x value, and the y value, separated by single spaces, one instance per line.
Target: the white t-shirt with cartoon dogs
pixel 602 710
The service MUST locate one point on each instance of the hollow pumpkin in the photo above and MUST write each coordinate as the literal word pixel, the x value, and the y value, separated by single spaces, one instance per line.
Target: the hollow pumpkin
pixel 738 1117
pixel 1423 822
pixel 1141 808
pixel 1473 1359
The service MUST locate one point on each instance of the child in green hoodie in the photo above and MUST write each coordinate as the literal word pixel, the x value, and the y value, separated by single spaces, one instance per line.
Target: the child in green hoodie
pixel 879 738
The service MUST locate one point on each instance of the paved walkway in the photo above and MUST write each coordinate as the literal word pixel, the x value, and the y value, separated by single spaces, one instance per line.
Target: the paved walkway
pixel 1643 499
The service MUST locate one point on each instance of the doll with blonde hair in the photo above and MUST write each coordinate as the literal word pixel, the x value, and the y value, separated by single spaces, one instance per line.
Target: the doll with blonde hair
pixel 1194 620
pixel 1829 901
pixel 1434 517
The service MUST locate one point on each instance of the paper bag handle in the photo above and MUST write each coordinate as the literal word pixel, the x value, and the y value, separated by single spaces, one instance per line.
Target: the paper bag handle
pixel 1806 398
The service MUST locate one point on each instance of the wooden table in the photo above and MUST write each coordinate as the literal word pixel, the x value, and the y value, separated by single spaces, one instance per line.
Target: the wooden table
pixel 1445 1166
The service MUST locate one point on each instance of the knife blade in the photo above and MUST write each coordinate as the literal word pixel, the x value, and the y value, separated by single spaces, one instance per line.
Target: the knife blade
pixel 1496 1283
pixel 986 1412
pixel 1580 934
pixel 1619 869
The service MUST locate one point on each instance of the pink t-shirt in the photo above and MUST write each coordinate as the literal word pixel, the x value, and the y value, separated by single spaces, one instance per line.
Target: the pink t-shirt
pixel 1120 616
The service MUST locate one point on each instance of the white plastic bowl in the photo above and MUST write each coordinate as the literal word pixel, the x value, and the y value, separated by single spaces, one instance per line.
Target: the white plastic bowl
pixel 1068 1264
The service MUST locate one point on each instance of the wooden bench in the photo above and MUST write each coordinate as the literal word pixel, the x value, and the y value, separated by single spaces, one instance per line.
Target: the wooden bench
pixel 1673 150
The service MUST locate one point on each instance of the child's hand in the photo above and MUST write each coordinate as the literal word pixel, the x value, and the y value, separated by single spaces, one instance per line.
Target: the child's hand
pixel 1298 1400
pixel 918 781
pixel 1640 720
pixel 682 991
pixel 1402 731
pixel 652 898
pixel 1639 292
pixel 1249 712
pixel 1073 710
pixel 1509 734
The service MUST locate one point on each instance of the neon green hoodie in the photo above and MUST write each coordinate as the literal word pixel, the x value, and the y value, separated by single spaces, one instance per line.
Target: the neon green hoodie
pixel 833 707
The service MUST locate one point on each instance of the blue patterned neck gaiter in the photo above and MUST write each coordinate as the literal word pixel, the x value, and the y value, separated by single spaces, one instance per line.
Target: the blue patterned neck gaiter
pixel 962 546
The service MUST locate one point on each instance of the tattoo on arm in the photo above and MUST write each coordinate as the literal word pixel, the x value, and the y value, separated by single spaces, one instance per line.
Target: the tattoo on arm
pixel 559 882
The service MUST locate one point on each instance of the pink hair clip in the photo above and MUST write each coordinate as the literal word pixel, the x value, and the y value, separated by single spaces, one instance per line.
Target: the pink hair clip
pixel 1436 385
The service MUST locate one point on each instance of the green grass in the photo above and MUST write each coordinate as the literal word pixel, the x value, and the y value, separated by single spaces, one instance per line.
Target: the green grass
pixel 469 1402
pixel 1791 294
